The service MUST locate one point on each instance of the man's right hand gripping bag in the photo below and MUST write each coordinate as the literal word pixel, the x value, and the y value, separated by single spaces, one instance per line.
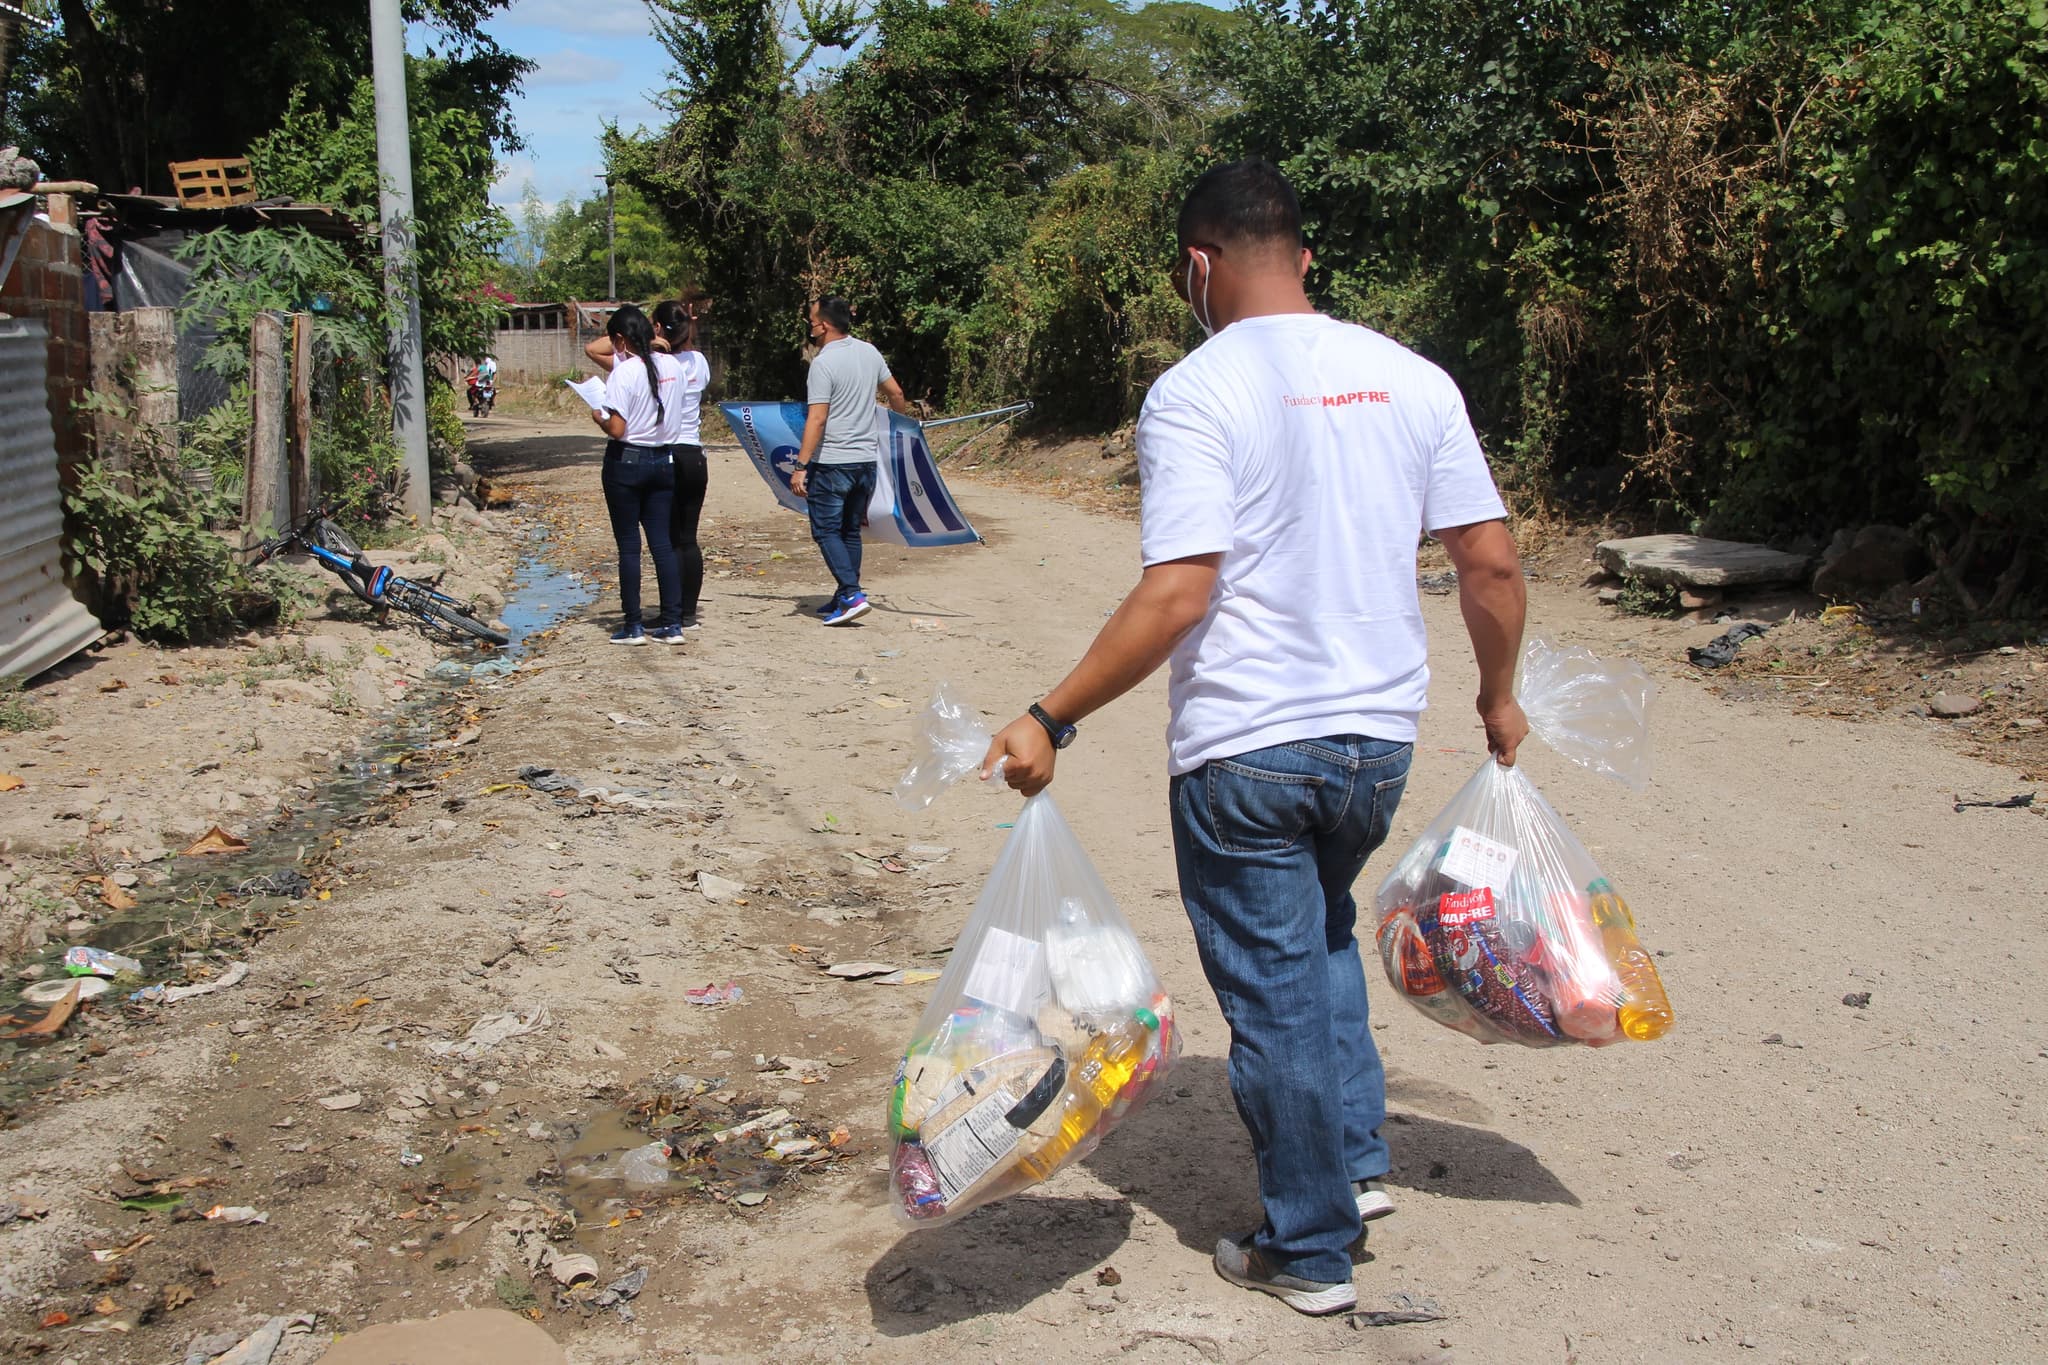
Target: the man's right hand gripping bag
pixel 1498 923
pixel 1048 1026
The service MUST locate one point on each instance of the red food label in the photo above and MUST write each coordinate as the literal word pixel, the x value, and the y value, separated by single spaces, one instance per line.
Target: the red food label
pixel 1465 909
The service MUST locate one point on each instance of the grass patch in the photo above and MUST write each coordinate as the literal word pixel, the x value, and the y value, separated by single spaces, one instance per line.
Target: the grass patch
pixel 16 712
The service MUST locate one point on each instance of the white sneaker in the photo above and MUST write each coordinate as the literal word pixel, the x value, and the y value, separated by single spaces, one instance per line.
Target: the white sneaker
pixel 1373 1201
pixel 1239 1264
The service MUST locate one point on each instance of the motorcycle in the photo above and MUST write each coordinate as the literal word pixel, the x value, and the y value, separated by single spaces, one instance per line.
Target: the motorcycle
pixel 483 393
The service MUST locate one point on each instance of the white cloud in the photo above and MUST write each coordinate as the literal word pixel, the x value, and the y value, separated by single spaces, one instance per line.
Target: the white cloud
pixel 618 19
pixel 567 66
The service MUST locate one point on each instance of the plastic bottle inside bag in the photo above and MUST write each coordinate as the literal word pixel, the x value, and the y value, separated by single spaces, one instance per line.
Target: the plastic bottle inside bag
pixel 1092 1087
pixel 1097 969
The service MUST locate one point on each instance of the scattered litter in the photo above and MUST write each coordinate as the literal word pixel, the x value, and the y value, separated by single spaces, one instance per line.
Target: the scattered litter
pixel 215 840
pixel 1778 1040
pixel 907 976
pixel 926 623
pixel 288 882
pixel 88 961
pixel 235 1214
pixel 1841 611
pixel 854 971
pixel 1857 1000
pixel 627 1286
pixel 548 779
pixel 455 670
pixel 751 1199
pixel 493 1029
pixel 631 722
pixel 10 783
pixel 467 735
pixel 1722 649
pixel 255 1349
pixel 718 890
pixel 52 1021
pixel 171 995
pixel 2020 802
pixel 927 853
pixel 572 1268
pixel 771 1120
pixel 407 1157
pixel 106 1255
pixel 728 994
pixel 888 654
pixel 50 992
pixel 1438 584
pixel 347 1099
pixel 646 1165
pixel 1407 1308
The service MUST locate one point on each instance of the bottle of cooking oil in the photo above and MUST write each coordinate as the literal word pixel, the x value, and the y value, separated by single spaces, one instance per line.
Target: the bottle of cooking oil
pixel 1106 1065
pixel 1645 1009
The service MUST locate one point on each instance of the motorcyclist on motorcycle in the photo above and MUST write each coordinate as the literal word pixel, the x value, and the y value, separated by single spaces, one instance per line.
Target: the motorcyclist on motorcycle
pixel 483 387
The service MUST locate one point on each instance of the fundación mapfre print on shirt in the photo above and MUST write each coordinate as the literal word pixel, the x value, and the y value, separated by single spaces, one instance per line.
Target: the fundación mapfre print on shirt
pixel 1310 454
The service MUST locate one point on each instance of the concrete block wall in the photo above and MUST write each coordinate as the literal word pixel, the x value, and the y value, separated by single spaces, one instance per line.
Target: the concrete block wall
pixel 47 283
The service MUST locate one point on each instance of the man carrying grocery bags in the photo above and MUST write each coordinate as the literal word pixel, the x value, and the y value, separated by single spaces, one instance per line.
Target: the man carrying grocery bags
pixel 1289 465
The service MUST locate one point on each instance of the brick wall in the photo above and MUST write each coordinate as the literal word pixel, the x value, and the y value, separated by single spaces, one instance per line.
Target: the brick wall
pixel 48 283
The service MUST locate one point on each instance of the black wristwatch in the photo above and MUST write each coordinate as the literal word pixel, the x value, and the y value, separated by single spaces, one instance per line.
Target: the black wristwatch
pixel 1061 735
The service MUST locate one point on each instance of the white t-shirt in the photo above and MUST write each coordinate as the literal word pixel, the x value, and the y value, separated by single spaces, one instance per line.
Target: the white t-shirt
pixel 680 399
pixel 1311 454
pixel 626 393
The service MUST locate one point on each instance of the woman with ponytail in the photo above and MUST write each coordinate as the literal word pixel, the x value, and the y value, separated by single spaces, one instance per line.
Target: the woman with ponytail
pixel 639 471
pixel 685 446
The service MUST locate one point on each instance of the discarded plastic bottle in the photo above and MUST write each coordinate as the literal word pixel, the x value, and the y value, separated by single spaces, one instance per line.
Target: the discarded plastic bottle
pixel 1106 1065
pixel 1645 1008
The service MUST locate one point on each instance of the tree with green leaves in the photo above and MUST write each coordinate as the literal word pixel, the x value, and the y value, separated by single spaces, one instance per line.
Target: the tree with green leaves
pixel 122 88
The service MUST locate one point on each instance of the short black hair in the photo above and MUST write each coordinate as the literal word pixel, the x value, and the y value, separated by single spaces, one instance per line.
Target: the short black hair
pixel 1240 203
pixel 837 313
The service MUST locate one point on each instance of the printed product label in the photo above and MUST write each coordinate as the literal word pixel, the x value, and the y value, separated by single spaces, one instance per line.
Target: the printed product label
pixel 1009 973
pixel 1477 860
pixel 974 1144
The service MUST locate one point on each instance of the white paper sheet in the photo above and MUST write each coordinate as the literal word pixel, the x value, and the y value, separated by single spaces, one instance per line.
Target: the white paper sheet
pixel 590 390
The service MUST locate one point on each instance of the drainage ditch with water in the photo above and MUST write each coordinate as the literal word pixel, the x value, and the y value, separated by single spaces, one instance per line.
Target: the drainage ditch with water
pixel 219 901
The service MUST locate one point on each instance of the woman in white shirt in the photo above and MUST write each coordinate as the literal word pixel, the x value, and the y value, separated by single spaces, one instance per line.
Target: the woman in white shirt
pixel 639 471
pixel 692 475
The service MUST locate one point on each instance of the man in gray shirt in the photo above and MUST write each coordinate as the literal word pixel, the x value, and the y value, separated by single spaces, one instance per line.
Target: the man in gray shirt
pixel 836 467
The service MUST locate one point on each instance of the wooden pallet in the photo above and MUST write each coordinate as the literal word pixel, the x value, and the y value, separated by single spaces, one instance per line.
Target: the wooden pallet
pixel 214 183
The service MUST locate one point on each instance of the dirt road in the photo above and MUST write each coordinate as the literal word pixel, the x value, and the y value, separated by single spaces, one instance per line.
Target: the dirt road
pixel 1786 1176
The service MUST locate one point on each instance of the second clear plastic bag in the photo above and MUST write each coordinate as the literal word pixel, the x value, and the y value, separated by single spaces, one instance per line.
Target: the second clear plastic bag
pixel 1498 923
pixel 1047 1028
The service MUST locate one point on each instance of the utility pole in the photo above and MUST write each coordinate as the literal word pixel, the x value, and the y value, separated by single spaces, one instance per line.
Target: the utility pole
pixel 401 271
pixel 611 245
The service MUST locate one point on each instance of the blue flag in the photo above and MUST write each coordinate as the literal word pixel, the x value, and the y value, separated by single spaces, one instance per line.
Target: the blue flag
pixel 911 505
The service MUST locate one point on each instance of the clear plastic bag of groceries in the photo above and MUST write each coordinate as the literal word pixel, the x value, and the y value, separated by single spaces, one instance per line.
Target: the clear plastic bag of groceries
pixel 1048 1026
pixel 1498 923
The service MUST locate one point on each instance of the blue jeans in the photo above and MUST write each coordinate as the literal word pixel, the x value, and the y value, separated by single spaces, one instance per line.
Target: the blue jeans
pixel 1268 844
pixel 837 496
pixel 638 497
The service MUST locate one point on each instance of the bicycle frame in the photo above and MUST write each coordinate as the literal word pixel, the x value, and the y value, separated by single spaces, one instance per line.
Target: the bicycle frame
pixel 375 584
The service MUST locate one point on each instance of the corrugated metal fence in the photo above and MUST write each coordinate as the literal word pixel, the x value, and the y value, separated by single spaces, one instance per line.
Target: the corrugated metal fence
pixel 41 623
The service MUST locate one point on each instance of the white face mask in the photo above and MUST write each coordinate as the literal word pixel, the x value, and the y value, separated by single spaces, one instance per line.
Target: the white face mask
pixel 1201 309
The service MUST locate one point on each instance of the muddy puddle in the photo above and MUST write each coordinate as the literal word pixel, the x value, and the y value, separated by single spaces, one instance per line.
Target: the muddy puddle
pixel 689 1140
pixel 212 904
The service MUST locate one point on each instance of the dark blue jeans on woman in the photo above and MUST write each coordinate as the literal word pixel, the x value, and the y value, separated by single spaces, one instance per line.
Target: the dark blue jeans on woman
pixel 1268 844
pixel 837 497
pixel 639 496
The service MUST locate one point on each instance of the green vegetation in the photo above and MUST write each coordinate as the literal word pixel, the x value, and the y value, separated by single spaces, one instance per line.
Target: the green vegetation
pixel 562 255
pixel 17 713
pixel 139 533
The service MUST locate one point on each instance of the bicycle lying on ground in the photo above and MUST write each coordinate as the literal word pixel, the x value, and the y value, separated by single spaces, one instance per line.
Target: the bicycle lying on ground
pixel 337 552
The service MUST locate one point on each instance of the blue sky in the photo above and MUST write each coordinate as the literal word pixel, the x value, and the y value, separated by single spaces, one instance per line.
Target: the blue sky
pixel 597 60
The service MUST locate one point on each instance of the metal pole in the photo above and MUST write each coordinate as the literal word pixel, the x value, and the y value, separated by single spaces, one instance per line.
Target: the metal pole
pixel 977 416
pixel 401 270
pixel 611 246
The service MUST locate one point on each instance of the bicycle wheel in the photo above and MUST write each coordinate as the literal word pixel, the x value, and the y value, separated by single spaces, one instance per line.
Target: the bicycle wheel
pixel 450 616
pixel 336 539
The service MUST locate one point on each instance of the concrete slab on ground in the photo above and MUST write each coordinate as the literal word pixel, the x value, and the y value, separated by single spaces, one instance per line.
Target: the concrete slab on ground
pixel 1696 562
